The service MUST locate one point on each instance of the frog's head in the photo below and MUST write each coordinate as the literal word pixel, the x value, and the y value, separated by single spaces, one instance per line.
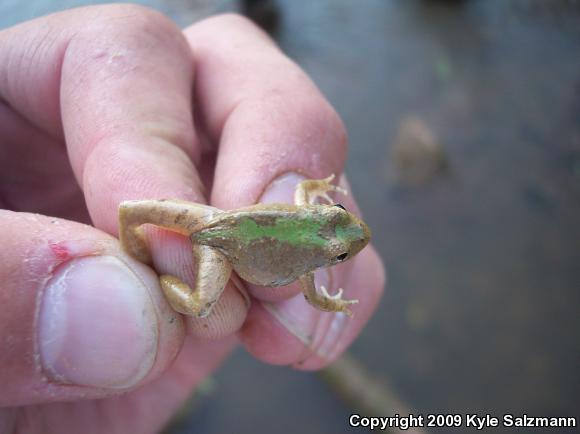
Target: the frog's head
pixel 349 234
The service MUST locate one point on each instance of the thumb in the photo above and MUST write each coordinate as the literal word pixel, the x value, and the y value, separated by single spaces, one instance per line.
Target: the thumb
pixel 79 318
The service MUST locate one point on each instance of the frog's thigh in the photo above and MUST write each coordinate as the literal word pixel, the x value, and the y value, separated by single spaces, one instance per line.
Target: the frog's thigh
pixel 178 216
pixel 213 273
pixel 311 189
pixel 324 301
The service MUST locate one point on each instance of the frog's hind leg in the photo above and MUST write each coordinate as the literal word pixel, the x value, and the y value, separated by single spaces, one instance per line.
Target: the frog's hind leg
pixel 324 301
pixel 175 215
pixel 213 272
pixel 213 269
pixel 311 189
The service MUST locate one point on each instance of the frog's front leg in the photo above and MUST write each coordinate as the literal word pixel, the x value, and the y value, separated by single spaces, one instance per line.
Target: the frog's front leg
pixel 324 301
pixel 309 190
pixel 213 272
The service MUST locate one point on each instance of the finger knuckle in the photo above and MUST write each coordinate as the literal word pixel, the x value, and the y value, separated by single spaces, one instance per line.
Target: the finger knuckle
pixel 119 38
pixel 133 23
pixel 236 27
pixel 130 13
pixel 232 19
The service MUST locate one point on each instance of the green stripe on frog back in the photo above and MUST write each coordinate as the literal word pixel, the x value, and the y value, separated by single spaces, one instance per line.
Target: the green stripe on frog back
pixel 298 232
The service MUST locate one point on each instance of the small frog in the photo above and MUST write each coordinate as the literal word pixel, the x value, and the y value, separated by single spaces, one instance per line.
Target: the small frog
pixel 266 244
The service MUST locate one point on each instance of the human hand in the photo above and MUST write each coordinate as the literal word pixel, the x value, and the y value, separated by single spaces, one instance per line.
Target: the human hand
pixel 102 97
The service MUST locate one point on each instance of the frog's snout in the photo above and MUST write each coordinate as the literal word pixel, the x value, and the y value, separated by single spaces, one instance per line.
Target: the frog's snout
pixel 362 239
pixel 366 233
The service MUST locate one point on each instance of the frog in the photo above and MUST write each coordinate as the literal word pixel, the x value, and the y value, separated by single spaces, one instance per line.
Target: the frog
pixel 266 244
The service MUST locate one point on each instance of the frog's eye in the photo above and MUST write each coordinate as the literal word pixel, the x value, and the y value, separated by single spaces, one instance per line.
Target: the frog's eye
pixel 341 257
pixel 340 206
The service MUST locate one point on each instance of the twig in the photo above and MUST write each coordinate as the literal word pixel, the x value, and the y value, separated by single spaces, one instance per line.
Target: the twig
pixel 366 394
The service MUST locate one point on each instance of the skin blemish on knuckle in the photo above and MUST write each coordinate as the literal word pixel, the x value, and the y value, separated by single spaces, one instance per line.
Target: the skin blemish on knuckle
pixel 117 35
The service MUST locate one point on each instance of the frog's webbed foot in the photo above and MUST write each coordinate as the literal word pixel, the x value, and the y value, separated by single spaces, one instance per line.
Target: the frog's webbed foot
pixel 323 300
pixel 311 189
pixel 213 272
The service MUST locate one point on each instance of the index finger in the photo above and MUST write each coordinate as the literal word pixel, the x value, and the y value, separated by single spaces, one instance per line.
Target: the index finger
pixel 116 83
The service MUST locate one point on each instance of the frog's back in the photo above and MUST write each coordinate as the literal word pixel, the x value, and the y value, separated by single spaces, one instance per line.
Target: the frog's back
pixel 271 244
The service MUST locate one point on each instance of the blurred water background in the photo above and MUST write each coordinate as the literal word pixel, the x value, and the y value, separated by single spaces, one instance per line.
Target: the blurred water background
pixel 464 124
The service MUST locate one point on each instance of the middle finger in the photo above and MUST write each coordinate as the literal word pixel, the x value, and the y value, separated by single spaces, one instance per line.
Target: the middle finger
pixel 272 123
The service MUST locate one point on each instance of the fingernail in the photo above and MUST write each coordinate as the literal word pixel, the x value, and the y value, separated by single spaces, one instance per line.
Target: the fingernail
pixel 318 331
pixel 281 190
pixel 97 324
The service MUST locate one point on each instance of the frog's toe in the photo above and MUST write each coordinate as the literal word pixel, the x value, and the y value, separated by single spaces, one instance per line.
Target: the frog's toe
pixel 337 296
pixel 336 303
pixel 326 197
pixel 344 309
